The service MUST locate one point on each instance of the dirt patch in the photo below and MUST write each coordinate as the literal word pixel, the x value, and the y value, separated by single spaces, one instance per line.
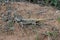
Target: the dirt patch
pixel 29 10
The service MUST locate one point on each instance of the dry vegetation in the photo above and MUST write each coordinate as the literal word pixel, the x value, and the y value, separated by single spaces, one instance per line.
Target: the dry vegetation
pixel 47 30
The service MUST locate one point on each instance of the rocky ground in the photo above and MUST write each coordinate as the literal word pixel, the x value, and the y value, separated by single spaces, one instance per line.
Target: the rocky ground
pixel 11 30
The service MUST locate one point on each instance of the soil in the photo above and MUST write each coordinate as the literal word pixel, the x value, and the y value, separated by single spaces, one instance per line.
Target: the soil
pixel 35 11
